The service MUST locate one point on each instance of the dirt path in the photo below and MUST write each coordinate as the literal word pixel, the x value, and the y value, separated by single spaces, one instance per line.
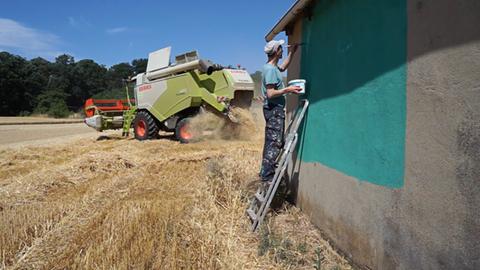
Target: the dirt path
pixel 38 135
pixel 12 120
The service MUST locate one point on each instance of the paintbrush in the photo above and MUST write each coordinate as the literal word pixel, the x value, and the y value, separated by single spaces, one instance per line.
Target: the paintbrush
pixel 297 44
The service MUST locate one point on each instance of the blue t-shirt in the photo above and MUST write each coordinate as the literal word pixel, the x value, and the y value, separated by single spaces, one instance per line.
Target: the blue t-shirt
pixel 272 75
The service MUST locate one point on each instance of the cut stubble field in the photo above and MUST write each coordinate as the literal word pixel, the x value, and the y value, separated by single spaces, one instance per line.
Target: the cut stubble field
pixel 118 203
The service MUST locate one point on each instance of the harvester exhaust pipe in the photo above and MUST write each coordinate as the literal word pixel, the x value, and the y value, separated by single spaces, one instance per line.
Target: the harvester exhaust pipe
pixel 206 66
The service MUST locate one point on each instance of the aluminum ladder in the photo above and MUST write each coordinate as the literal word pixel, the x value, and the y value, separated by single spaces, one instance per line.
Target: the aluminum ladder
pixel 260 202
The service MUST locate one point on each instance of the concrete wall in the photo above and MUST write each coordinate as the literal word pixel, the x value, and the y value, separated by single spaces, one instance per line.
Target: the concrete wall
pixel 431 220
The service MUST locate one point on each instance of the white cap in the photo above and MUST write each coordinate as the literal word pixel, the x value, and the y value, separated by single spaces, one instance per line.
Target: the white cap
pixel 273 45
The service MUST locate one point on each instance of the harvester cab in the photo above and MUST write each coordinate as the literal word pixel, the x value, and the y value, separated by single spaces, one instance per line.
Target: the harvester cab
pixel 168 95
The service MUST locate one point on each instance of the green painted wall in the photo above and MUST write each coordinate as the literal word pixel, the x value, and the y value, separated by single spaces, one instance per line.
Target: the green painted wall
pixel 354 61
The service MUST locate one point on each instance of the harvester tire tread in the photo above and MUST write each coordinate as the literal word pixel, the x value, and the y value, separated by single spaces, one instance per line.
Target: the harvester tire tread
pixel 145 127
pixel 181 131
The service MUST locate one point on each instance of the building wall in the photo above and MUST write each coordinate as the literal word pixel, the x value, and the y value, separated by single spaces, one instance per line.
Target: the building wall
pixel 294 37
pixel 357 91
pixel 411 200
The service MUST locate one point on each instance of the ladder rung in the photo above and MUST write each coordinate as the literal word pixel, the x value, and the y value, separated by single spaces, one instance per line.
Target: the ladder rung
pixel 259 197
pixel 252 214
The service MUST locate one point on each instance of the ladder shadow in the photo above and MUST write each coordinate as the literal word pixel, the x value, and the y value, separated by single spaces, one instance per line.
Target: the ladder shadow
pixel 283 196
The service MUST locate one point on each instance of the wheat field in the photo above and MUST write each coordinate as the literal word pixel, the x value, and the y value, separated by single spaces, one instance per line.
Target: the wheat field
pixel 117 203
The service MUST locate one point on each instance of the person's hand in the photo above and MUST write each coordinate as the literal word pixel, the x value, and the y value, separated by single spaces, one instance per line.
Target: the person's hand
pixel 293 89
pixel 293 48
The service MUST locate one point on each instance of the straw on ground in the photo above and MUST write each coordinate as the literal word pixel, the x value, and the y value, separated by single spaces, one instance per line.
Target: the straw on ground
pixel 124 204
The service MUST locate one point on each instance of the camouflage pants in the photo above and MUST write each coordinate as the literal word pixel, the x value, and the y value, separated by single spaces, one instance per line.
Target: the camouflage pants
pixel 274 128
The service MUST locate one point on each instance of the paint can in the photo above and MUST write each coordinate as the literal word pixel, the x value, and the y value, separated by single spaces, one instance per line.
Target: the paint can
pixel 300 83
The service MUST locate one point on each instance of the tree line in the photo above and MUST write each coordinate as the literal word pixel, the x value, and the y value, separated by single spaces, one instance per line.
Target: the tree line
pixel 58 88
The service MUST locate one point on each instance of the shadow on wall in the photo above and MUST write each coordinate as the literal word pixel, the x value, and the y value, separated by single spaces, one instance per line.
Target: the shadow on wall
pixel 351 43
pixel 440 24
pixel 363 40
pixel 355 62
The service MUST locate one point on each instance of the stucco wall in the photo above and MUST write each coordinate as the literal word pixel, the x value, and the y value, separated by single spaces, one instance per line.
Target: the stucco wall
pixel 354 62
pixel 295 37
pixel 432 220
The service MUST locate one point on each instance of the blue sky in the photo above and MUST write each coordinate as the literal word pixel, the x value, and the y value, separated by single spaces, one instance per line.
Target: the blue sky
pixel 110 32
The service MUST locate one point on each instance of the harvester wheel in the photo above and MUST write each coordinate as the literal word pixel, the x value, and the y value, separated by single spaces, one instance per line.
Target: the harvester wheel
pixel 182 132
pixel 144 126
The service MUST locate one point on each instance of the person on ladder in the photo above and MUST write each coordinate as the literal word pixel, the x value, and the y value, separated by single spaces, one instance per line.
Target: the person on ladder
pixel 273 91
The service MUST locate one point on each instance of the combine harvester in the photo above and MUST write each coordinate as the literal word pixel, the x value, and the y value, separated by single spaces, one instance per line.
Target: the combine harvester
pixel 168 95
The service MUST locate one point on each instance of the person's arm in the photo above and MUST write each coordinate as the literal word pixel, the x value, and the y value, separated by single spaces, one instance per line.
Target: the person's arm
pixel 272 92
pixel 286 63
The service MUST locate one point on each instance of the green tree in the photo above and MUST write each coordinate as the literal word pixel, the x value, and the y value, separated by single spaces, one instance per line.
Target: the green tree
pixel 52 102
pixel 139 65
pixel 89 78
pixel 12 87
pixel 36 72
pixel 117 73
pixel 65 60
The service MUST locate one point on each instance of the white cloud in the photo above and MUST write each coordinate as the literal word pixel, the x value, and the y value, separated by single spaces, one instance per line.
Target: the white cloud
pixel 26 40
pixel 72 21
pixel 78 22
pixel 116 30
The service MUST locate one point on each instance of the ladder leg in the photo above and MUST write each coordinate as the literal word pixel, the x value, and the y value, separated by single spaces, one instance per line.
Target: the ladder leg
pixel 263 211
pixel 262 199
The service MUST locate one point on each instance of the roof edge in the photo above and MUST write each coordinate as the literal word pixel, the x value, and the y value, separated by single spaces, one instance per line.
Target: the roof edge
pixel 287 18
